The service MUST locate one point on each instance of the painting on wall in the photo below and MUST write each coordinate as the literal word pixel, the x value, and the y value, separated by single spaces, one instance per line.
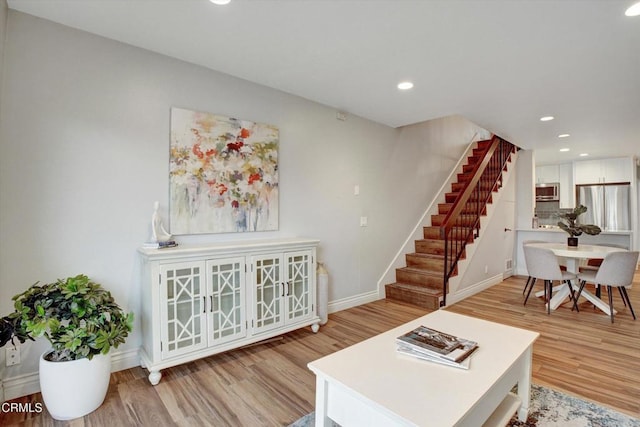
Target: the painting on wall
pixel 223 174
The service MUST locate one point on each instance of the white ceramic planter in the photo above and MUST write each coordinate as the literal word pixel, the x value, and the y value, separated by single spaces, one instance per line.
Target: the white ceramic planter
pixel 75 388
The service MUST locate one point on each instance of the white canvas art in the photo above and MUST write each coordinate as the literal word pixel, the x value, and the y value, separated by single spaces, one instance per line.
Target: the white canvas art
pixel 223 174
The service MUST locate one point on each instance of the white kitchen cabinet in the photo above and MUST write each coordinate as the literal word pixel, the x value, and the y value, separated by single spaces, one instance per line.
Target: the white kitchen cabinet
pixel 200 301
pixel 547 174
pixel 619 169
pixel 603 171
pixel 567 189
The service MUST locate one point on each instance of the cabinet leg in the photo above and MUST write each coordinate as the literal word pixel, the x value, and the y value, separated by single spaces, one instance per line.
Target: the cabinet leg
pixel 315 327
pixel 154 377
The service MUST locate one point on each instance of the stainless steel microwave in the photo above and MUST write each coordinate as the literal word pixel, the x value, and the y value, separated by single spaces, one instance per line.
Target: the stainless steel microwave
pixel 548 192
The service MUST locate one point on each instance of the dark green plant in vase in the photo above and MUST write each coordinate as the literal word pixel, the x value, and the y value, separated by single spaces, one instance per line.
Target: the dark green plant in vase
pixel 77 316
pixel 571 226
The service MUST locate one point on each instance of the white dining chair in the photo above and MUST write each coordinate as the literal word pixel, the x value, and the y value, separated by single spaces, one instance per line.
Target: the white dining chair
pixel 529 278
pixel 543 264
pixel 617 270
pixel 592 264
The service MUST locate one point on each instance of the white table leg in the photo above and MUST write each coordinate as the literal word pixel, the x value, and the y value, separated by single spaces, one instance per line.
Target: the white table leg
pixel 322 397
pixel 562 292
pixel 560 296
pixel 524 385
pixel 597 302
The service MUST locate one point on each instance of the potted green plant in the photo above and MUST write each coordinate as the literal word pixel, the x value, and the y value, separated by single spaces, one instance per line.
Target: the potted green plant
pixel 573 228
pixel 82 322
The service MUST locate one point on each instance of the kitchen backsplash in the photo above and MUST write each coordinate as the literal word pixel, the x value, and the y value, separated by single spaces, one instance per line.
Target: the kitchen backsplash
pixel 547 213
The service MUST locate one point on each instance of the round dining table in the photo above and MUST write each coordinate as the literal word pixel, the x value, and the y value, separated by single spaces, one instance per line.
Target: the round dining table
pixel 573 255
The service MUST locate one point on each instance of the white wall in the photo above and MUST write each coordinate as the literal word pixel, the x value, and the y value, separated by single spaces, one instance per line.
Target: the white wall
pixel 525 177
pixel 84 136
pixel 4 11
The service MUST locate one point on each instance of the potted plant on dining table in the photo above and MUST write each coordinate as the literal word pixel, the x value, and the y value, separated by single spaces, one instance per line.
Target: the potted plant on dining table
pixel 574 228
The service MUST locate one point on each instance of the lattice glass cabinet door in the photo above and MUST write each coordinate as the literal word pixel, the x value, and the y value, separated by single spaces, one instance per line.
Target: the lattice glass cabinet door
pixel 299 270
pixel 268 291
pixel 182 308
pixel 227 317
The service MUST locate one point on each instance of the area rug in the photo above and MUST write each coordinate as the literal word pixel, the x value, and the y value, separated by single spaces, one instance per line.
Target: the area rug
pixel 550 408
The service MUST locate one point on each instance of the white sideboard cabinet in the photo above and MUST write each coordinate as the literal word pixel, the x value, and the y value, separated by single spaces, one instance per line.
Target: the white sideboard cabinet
pixel 201 300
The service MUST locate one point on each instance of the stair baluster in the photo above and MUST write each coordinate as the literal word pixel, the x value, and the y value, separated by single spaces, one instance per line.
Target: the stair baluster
pixel 462 223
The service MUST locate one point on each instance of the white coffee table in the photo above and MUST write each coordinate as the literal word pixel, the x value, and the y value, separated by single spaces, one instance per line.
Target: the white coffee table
pixel 370 384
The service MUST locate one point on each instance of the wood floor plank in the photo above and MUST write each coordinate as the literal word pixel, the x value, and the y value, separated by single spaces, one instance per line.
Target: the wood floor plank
pixel 582 354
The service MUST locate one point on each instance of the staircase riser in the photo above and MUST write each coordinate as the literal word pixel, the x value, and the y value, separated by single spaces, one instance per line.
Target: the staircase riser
pixel 434 233
pixel 430 246
pixel 462 221
pixel 444 208
pixel 415 298
pixel 425 280
pixel 434 265
pixel 472 160
pixel 457 187
pixel 451 197
pixel 415 261
pixel 464 177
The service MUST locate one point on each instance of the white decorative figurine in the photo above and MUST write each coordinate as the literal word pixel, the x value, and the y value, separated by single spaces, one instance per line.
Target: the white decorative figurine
pixel 158 233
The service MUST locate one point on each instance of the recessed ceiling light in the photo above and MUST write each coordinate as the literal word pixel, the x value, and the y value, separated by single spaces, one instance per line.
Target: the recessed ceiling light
pixel 546 118
pixel 564 135
pixel 634 10
pixel 584 154
pixel 220 2
pixel 564 150
pixel 405 85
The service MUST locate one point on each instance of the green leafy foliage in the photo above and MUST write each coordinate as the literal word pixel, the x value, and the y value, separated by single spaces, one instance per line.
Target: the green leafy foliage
pixel 572 226
pixel 77 316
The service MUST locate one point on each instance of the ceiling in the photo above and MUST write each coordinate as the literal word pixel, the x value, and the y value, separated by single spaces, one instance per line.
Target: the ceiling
pixel 502 64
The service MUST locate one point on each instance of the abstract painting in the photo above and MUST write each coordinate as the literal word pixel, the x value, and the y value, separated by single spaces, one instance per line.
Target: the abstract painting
pixel 223 174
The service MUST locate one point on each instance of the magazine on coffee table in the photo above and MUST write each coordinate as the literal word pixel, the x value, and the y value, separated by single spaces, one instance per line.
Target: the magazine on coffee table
pixel 423 356
pixel 436 344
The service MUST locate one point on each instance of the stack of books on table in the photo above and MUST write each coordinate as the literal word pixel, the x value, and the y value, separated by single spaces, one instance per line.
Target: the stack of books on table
pixel 435 346
pixel 160 245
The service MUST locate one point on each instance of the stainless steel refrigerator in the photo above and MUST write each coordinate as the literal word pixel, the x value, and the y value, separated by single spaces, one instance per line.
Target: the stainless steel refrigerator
pixel 608 206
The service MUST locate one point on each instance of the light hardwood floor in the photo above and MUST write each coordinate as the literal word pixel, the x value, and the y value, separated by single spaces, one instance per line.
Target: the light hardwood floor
pixel 269 384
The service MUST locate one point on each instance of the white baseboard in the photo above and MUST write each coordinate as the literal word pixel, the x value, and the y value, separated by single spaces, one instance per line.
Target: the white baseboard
pixel 25 384
pixel 474 289
pixel 20 385
pixel 353 301
pixel 122 360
